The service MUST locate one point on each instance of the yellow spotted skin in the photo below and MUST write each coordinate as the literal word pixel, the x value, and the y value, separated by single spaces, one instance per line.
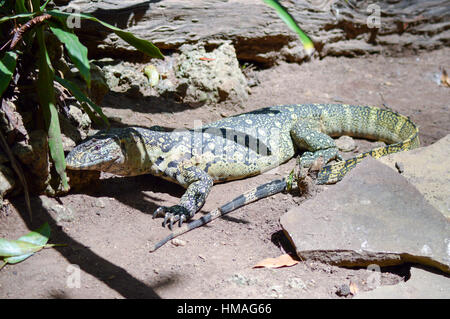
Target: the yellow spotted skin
pixel 241 146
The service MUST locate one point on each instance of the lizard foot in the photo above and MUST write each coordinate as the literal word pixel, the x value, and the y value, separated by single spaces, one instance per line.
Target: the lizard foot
pixel 173 214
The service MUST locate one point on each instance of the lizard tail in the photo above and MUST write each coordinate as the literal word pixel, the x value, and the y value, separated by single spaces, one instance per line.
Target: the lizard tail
pixel 262 191
pixel 399 129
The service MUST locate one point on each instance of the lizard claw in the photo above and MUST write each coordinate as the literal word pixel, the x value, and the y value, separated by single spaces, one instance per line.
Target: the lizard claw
pixel 182 219
pixel 173 219
pixel 166 218
pixel 172 215
pixel 159 211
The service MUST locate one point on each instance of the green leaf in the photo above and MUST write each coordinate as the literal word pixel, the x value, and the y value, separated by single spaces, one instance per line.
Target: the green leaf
pixel 289 20
pixel 80 96
pixel 92 115
pixel 16 259
pixel 47 100
pixel 20 6
pixel 76 50
pixel 38 237
pixel 140 44
pixel 7 67
pixel 20 15
pixel 10 248
pixel 25 246
pixel 42 8
pixel 35 4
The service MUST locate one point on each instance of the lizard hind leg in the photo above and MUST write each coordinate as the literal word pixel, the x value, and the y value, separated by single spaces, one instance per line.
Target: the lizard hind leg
pixel 307 136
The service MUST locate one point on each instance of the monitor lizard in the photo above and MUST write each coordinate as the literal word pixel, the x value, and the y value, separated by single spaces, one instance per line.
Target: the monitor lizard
pixel 240 146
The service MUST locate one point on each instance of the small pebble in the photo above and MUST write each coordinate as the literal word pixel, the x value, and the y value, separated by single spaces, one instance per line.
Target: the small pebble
pixel 343 290
pixel 400 167
pixel 345 143
pixel 178 242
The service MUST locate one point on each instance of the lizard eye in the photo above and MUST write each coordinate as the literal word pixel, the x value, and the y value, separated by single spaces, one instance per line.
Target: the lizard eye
pixel 97 147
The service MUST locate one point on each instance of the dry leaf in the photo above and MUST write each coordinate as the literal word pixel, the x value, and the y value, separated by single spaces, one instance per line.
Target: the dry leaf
pixel 353 288
pixel 445 80
pixel 285 260
pixel 152 74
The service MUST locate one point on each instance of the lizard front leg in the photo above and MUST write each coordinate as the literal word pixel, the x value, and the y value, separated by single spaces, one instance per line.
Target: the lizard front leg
pixel 199 185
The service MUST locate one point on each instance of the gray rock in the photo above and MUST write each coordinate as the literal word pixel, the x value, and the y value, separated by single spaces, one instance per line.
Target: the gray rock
pixel 345 143
pixel 99 86
pixel 259 35
pixel 211 77
pixel 373 216
pixel 428 169
pixel 7 181
pixel 34 155
pixel 126 78
pixel 276 291
pixel 422 285
pixel 63 214
pixel 343 290
pixel 81 118
pixel 60 213
pixel 242 280
pixel 297 283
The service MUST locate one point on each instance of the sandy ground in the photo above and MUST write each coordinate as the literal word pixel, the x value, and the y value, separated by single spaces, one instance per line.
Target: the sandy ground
pixel 111 230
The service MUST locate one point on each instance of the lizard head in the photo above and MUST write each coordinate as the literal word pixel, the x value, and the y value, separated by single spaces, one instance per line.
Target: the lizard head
pixel 102 152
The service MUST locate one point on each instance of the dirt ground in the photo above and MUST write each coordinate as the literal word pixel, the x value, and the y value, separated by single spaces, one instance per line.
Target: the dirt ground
pixel 111 230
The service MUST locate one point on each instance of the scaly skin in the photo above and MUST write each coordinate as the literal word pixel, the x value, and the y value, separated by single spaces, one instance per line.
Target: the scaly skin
pixel 241 146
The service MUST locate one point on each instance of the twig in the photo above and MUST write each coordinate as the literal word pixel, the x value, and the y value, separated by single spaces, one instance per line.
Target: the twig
pixel 18 33
pixel 16 167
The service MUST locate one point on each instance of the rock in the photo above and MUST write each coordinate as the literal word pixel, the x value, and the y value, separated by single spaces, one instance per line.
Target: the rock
pixel 343 290
pixel 373 216
pixel 126 78
pixel 34 155
pixel 242 280
pixel 81 118
pixel 421 285
pixel 297 283
pixel 7 181
pixel 60 213
pixel 99 85
pixel 345 143
pixel 100 203
pixel 11 122
pixel 178 242
pixel 211 77
pixel 63 214
pixel 259 35
pixel 428 170
pixel 276 291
